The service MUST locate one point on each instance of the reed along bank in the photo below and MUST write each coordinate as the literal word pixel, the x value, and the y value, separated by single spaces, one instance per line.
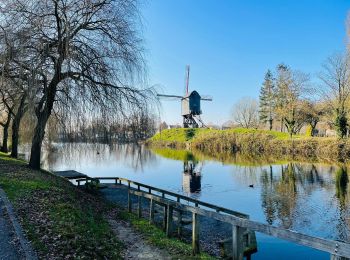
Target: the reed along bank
pixel 253 142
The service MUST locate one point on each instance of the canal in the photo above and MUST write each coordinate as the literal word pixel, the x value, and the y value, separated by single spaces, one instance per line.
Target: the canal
pixel 312 198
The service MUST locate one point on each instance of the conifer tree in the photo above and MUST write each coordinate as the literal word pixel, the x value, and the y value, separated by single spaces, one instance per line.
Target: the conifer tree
pixel 267 100
pixel 283 82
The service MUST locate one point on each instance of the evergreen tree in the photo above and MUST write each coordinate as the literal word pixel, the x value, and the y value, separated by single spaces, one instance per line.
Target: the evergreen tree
pixel 267 100
pixel 283 83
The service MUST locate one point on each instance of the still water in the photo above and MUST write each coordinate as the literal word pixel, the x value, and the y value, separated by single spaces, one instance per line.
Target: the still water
pixel 311 198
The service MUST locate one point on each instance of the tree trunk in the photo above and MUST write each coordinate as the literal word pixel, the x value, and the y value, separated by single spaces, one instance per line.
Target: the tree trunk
pixel 6 126
pixel 281 124
pixel 39 133
pixel 43 116
pixel 16 124
pixel 270 124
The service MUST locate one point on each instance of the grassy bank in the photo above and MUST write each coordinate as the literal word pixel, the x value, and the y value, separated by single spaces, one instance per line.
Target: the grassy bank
pixel 64 222
pixel 60 220
pixel 253 142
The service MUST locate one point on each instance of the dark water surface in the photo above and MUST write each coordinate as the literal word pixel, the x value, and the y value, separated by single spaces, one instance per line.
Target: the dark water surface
pixel 311 198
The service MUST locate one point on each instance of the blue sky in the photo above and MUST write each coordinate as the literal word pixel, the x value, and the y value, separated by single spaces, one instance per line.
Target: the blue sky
pixel 230 45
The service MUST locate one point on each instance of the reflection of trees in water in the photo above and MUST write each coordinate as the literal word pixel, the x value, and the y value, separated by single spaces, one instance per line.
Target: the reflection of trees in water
pixel 279 194
pixel 73 155
pixel 246 175
pixel 139 155
pixel 341 184
pixel 282 189
pixel 341 192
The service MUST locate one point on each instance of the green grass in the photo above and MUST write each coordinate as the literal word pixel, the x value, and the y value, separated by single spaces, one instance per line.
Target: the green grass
pixel 188 134
pixel 19 188
pixel 157 237
pixel 85 230
pixel 6 157
pixel 58 218
pixel 177 134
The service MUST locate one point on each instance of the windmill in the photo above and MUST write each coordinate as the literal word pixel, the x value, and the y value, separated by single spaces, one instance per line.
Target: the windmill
pixel 190 104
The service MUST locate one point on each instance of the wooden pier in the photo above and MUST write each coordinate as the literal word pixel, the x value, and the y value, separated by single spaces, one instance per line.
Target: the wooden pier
pixel 70 174
pixel 242 241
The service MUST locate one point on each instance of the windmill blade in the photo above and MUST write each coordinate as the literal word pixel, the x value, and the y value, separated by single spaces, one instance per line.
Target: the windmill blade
pixel 168 96
pixel 207 98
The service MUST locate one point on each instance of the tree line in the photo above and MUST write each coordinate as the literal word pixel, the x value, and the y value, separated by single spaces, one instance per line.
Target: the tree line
pixel 69 60
pixel 288 100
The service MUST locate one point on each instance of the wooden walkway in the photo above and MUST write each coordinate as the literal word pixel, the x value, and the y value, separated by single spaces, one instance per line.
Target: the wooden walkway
pixel 70 174
pixel 242 227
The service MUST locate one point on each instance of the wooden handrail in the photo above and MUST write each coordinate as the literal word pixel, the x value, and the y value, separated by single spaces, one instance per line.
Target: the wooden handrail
pixel 236 219
pixel 337 248
pixel 173 194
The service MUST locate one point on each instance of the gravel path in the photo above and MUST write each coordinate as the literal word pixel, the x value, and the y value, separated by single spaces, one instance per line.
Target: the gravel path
pixel 137 247
pixel 8 241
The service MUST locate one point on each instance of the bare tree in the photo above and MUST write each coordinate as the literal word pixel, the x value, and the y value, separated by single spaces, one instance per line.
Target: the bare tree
pixel 336 89
pixel 245 113
pixel 83 54
pixel 293 111
pixel 15 76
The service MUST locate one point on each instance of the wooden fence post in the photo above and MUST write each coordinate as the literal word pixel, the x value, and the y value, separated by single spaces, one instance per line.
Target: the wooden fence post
pixel 151 212
pixel 179 224
pixel 169 226
pixel 139 207
pixel 237 242
pixel 129 201
pixel 165 217
pixel 195 234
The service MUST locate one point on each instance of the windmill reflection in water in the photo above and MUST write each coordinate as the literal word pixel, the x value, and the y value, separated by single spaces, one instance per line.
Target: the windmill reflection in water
pixel 191 177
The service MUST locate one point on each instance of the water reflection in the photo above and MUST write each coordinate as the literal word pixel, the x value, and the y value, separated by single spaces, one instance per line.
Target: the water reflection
pixel 341 184
pixel 191 176
pixel 307 197
pixel 75 155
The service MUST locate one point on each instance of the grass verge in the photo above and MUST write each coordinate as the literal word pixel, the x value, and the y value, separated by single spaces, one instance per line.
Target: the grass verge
pixel 62 222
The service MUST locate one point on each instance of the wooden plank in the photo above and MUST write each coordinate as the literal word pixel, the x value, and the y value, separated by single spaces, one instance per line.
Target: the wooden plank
pixel 195 234
pixel 334 257
pixel 333 247
pixel 70 174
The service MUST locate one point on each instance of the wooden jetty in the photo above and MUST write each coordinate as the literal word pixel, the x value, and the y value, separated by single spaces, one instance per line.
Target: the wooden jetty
pixel 70 174
pixel 242 227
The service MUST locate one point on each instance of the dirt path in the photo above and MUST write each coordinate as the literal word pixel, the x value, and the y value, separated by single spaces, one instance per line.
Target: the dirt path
pixel 137 248
pixel 8 243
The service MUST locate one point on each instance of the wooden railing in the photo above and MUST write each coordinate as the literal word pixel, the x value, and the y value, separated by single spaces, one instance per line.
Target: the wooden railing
pixel 164 194
pixel 239 221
